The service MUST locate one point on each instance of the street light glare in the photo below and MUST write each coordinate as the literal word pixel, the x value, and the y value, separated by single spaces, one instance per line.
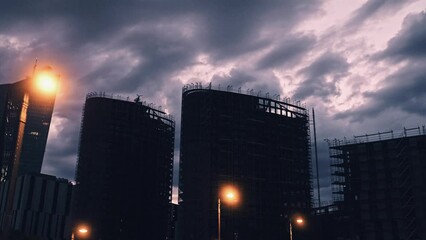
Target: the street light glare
pixel 83 230
pixel 299 221
pixel 230 194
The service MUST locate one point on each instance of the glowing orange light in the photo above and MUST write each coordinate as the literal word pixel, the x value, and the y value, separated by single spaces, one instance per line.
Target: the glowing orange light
pixel 299 221
pixel 46 82
pixel 82 231
pixel 230 194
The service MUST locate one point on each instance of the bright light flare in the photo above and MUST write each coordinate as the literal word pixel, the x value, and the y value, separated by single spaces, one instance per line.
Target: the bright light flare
pixel 82 231
pixel 47 82
pixel 298 221
pixel 230 194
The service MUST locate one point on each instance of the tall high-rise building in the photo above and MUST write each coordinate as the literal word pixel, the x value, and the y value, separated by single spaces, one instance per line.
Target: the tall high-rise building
pixel 258 145
pixel 379 184
pixel 25 115
pixel 124 172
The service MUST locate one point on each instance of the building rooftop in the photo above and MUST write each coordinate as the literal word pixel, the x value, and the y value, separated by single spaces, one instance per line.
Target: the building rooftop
pixel 274 102
pixel 379 136
pixel 155 111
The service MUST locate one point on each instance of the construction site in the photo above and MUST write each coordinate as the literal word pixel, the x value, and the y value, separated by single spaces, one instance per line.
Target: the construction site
pixel 378 183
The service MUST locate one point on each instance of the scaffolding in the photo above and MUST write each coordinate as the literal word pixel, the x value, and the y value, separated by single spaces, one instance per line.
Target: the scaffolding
pixel 258 142
pixel 340 159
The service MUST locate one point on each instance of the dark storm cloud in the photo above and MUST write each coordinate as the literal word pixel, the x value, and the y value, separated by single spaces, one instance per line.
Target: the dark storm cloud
pixel 290 50
pixel 248 81
pixel 372 7
pixel 139 47
pixel 322 76
pixel 404 90
pixel 234 27
pixel 410 42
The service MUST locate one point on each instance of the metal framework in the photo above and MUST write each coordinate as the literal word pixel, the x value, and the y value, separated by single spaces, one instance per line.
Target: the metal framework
pixel 377 181
pixel 257 142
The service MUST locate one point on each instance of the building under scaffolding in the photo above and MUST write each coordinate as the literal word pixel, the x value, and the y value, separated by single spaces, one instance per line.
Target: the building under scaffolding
pixel 257 143
pixel 124 172
pixel 378 182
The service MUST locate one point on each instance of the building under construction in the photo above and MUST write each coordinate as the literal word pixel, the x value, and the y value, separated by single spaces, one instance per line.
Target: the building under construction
pixel 124 172
pixel 258 144
pixel 378 183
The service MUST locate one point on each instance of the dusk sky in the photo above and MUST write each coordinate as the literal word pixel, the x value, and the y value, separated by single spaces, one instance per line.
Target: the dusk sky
pixel 361 63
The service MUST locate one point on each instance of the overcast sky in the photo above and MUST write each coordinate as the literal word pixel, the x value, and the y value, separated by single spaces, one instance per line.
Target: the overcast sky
pixel 361 64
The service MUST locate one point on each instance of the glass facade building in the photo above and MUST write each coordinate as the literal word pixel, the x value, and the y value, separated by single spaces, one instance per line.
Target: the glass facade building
pixel 25 116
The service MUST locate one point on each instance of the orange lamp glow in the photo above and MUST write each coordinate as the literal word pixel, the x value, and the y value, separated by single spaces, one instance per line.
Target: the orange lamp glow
pixel 229 194
pixel 82 231
pixel 47 82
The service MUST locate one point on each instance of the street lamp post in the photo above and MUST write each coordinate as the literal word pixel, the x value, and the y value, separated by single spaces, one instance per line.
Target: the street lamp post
pixel 218 218
pixel 80 232
pixel 230 195
pixel 299 221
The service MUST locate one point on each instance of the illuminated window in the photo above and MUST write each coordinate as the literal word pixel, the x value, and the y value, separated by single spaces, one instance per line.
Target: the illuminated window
pixel 34 133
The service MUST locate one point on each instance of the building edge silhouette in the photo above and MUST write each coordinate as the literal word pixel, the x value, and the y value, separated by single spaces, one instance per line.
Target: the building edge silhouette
pixel 259 144
pixel 124 171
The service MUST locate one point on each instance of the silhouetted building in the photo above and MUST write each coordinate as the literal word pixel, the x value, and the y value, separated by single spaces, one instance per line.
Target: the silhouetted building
pixel 258 144
pixel 379 183
pixel 23 105
pixel 41 206
pixel 329 223
pixel 124 172
pixel 25 115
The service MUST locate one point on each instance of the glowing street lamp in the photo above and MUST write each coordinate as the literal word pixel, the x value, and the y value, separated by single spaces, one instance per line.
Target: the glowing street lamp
pixel 229 195
pixel 299 221
pixel 80 232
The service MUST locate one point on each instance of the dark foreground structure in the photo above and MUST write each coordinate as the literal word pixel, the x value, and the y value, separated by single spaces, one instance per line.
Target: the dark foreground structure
pixel 379 185
pixel 124 172
pixel 259 145
pixel 42 207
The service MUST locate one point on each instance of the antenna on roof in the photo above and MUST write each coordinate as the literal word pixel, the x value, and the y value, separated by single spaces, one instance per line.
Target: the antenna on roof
pixel 138 99
pixel 34 68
